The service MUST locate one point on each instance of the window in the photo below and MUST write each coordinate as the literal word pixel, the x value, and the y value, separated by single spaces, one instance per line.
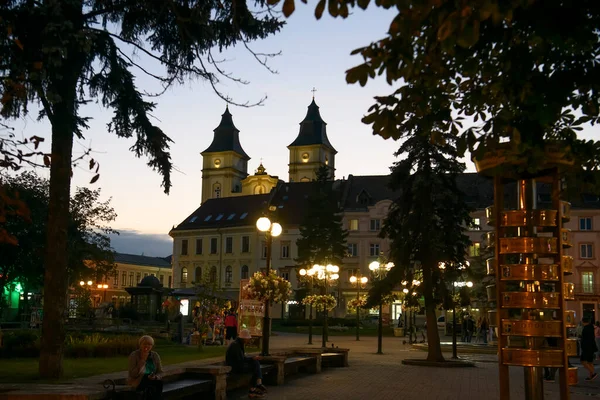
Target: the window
pixel 285 274
pixel 245 244
pixel 116 279
pixel 217 190
pixel 587 281
pixel 374 249
pixel 228 274
pixel 184 274
pixel 161 279
pixel 170 278
pixel 285 250
pixel 375 225
pixel 230 217
pixel 131 279
pixel 244 272
pixel 124 279
pixel 353 225
pixel 353 272
pixel 243 215
pixel 184 247
pixel 585 224
pixel 264 250
pixel 475 224
pixel 198 246
pixel 586 250
pixel 219 217
pixel 229 245
pixel 352 250
pixel 208 217
pixel 213 245
pixel 475 250
pixel 198 275
pixel 138 277
pixel 213 274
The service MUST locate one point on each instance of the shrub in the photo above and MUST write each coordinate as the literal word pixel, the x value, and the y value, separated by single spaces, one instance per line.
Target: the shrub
pixel 20 343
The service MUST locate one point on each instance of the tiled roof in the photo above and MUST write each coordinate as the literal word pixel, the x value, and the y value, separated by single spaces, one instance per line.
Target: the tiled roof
pixel 133 259
pixel 226 137
pixel 313 130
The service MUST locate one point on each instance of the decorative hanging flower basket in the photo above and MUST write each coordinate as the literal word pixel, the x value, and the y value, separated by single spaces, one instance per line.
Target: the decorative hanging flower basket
pixel 320 301
pixel 272 287
pixel 356 303
pixel 389 299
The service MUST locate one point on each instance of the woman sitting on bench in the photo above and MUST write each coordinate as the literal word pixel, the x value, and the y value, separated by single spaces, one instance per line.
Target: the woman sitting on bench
pixel 145 370
pixel 239 363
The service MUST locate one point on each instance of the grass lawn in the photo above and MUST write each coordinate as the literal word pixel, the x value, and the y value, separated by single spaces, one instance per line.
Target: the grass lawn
pixel 26 369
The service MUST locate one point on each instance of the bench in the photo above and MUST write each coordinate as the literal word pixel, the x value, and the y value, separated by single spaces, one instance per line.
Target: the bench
pixel 332 360
pixel 296 364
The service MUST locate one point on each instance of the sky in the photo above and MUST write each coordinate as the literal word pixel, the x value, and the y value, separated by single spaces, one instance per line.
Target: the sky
pixel 314 54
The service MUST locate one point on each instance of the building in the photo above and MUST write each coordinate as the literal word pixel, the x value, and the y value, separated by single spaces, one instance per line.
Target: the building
pixel 129 271
pixel 219 243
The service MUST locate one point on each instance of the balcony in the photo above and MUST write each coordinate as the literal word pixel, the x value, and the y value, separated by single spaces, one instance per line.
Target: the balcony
pixel 587 290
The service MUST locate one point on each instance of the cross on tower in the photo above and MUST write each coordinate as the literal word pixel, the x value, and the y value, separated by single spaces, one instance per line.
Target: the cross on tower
pixel 313 92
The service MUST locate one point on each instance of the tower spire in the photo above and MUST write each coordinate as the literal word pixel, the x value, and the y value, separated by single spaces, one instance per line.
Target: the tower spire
pixel 313 92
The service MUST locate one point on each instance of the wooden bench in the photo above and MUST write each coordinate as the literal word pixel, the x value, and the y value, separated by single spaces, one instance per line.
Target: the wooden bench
pixel 335 358
pixel 296 364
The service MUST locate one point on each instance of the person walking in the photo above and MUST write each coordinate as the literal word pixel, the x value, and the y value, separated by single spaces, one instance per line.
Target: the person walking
pixel 484 329
pixel 588 348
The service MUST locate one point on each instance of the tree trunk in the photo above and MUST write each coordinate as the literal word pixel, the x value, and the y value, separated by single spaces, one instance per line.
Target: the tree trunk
pixel 56 258
pixel 434 349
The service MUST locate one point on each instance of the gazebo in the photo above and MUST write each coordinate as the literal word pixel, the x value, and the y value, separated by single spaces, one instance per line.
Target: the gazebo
pixel 147 298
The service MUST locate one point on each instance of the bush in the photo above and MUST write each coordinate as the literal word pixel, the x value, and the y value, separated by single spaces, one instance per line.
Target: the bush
pixel 20 343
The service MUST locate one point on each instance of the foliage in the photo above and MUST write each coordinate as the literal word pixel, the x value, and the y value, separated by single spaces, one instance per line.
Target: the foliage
pixel 89 241
pixel 271 287
pixel 322 236
pixel 60 55
pixel 486 71
pixel 356 303
pixel 320 302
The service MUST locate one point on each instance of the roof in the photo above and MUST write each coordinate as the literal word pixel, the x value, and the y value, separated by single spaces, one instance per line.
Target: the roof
pixel 360 192
pixel 313 130
pixel 226 212
pixel 226 137
pixel 133 259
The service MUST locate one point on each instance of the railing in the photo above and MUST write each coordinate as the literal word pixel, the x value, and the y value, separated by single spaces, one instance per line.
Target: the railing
pixel 581 289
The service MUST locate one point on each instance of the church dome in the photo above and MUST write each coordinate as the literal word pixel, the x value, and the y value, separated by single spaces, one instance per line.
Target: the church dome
pixel 150 281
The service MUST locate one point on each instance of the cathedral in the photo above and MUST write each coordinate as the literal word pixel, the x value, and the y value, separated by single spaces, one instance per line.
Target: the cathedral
pixel 218 243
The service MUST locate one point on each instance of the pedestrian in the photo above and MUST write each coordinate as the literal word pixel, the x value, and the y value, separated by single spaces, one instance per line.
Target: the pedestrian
pixel 484 329
pixel 230 327
pixel 588 348
pixel 236 358
pixel 597 335
pixel 145 370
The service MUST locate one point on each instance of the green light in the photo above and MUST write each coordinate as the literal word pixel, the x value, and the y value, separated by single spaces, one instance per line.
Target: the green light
pixel 19 288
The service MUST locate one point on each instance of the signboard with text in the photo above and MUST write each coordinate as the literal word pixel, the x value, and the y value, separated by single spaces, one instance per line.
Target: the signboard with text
pixel 251 312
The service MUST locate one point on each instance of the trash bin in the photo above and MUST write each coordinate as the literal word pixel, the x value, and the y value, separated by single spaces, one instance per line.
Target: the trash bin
pixel 398 332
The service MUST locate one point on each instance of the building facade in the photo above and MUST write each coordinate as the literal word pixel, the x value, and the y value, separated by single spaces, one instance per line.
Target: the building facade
pixel 219 244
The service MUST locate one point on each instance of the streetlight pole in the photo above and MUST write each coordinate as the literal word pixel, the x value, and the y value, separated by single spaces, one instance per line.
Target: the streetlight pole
pixel 271 229
pixel 455 268
pixel 454 350
pixel 379 271
pixel 359 281
pixel 310 273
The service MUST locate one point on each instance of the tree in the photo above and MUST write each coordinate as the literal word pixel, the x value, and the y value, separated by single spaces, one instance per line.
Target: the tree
pixel 322 236
pixel 425 225
pixel 88 244
pixel 524 71
pixel 62 54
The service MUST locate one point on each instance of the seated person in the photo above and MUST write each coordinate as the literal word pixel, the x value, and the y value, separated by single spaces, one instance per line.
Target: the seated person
pixel 145 370
pixel 236 358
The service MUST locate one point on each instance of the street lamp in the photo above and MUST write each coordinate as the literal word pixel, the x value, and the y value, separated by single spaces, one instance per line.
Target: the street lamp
pixel 271 230
pixel 360 282
pixel 102 286
pixel 379 271
pixel 309 273
pixel 455 268
pixel 326 273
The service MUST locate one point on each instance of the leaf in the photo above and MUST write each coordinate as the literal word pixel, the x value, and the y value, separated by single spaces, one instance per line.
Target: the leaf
pixel 92 163
pixel 288 7
pixel 363 4
pixel 445 30
pixel 46 160
pixel 319 10
pixel 95 178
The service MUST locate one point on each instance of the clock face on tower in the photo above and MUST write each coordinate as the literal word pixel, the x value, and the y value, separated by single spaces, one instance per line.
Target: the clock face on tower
pixel 217 162
pixel 305 157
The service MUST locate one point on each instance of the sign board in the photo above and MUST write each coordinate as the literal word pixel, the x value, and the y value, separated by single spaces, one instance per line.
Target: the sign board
pixel 251 312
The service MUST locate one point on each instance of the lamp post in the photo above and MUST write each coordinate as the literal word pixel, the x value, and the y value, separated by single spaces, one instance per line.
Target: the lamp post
pixel 309 273
pixel 379 271
pixel 326 273
pixel 271 230
pixel 455 268
pixel 102 286
pixel 360 282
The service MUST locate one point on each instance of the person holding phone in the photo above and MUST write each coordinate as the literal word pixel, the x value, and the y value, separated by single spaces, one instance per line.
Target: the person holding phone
pixel 145 370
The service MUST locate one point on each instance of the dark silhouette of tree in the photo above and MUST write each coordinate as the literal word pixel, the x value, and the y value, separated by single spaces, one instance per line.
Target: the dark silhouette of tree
pixel 62 54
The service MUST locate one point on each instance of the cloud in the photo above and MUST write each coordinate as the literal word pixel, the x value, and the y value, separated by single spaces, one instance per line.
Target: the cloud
pixel 149 244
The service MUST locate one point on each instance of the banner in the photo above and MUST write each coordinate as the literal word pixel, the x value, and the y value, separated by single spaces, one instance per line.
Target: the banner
pixel 251 312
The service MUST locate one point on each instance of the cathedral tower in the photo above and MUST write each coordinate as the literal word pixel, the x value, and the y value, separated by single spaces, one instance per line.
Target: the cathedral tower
pixel 311 149
pixel 224 162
